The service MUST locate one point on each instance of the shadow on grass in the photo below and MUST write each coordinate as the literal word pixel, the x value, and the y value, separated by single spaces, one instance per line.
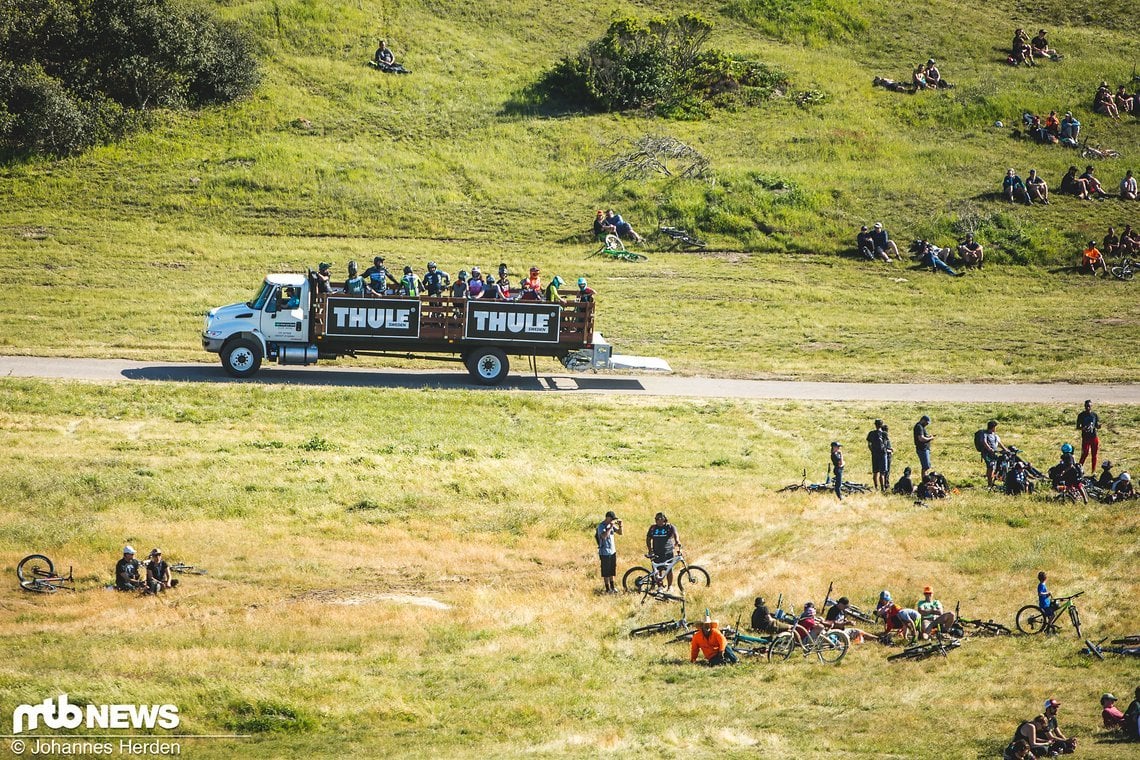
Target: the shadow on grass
pixel 409 379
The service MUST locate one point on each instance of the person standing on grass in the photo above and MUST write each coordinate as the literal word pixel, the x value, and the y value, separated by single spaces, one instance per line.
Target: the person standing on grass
pixel 878 456
pixel 888 456
pixel 991 449
pixel 1089 424
pixel 922 441
pixel 661 541
pixel 607 550
pixel 837 465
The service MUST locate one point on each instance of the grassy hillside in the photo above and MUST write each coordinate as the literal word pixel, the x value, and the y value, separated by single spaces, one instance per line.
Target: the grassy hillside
pixel 331 160
pixel 384 590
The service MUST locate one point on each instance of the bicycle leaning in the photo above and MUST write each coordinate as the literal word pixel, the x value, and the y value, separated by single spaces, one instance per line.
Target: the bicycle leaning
pixel 1031 619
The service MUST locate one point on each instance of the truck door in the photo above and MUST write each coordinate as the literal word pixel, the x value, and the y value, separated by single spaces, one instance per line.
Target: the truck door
pixel 283 319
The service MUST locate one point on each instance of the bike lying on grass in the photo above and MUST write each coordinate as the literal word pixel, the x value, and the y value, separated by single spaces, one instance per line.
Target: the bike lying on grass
pixel 638 578
pixel 929 649
pixel 681 237
pixel 1032 619
pixel 969 627
pixel 1126 270
pixel 614 248
pixel 1128 646
pixel 680 626
pixel 37 573
pixel 848 487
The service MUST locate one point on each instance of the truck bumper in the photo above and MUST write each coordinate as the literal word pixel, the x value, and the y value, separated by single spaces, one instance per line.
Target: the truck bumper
pixel 213 345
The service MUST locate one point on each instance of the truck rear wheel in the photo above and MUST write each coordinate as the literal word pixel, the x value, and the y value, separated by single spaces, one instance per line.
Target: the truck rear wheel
pixel 241 358
pixel 489 366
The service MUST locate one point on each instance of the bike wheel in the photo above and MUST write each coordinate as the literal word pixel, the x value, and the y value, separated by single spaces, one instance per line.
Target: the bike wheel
pixel 830 647
pixel 635 579
pixel 1094 650
pixel 34 566
pixel 1121 273
pixel 782 647
pixel 1031 619
pixel 1075 617
pixel 912 653
pixel 631 256
pixel 38 587
pixel 694 575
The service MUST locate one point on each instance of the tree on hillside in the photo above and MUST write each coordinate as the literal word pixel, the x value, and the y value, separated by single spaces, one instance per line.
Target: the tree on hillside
pixel 74 73
pixel 659 64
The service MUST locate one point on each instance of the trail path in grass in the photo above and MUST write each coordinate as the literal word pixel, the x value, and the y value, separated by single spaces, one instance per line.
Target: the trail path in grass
pixel 648 385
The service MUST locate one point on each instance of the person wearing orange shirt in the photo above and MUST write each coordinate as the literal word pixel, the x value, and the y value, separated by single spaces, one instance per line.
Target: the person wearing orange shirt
pixel 1091 259
pixel 709 641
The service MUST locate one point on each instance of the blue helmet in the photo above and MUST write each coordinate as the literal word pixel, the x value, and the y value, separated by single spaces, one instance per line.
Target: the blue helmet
pixel 1066 448
pixel 885 596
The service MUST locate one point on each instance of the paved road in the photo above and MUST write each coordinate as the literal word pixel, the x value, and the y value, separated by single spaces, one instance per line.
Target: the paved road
pixel 644 384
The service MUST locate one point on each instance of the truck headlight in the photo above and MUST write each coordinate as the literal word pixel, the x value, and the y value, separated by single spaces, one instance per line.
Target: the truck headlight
pixel 214 333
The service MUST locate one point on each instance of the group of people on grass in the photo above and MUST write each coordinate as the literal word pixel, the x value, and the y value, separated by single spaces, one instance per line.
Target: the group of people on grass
pixel 875 244
pixel 609 222
pixel 1094 259
pixel 1053 130
pixel 377 281
pixel 1113 104
pixel 925 76
pixel 1085 186
pixel 1026 51
pixel 129 572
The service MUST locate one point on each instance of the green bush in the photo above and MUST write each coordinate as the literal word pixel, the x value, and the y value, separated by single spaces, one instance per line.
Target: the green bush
pixel 658 65
pixel 75 73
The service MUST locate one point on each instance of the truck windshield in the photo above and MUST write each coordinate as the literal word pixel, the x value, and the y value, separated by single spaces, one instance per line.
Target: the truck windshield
pixel 259 300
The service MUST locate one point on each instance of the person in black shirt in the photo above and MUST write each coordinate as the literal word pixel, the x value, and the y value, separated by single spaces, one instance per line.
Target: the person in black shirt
pixel 376 278
pixel 922 443
pixel 866 244
pixel 1089 423
pixel 158 573
pixel 127 572
pixel 836 617
pixel 661 541
pixel 837 465
pixel 905 486
pixel 877 445
pixel 436 280
pixel 762 619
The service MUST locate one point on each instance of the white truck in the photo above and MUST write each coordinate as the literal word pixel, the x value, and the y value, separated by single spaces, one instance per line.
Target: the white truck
pixel 289 322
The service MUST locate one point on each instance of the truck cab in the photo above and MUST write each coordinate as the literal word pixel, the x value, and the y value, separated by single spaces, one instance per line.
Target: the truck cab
pixel 275 324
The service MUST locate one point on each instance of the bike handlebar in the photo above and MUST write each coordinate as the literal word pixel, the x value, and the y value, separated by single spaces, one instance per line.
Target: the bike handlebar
pixel 1067 598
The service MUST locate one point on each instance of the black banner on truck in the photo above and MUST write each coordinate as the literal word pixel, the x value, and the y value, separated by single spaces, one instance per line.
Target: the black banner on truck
pixel 372 318
pixel 513 321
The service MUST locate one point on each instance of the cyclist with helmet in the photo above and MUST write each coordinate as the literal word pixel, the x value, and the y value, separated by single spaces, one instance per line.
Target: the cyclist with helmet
pixel 475 284
pixel 460 288
pixel 897 618
pixel 435 280
pixel 504 282
pixel 1066 472
pixel 410 285
pixel 585 292
pixel 377 277
pixel 661 541
pixel 531 288
pixel 552 295
pixel 354 285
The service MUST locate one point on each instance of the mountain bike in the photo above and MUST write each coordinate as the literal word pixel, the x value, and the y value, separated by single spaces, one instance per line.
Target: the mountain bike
pixel 681 237
pixel 37 573
pixel 1126 270
pixel 970 627
pixel 614 248
pixel 667 626
pixel 929 649
pixel 1007 459
pixel 853 612
pixel 1032 619
pixel 828 645
pixel 179 567
pixel 1128 646
pixel 637 578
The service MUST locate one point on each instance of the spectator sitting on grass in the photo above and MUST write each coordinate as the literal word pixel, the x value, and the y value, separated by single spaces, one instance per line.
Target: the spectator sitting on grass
pixel 1053 124
pixel 1041 49
pixel 1092 183
pixel 918 78
pixel 623 228
pixel 1038 189
pixel 1110 243
pixel 1029 740
pixel 601 228
pixel 904 486
pixel 1021 51
pixel 883 243
pixel 930 255
pixel 386 61
pixel 1013 187
pixel 864 243
pixel 971 252
pixel 1070 129
pixel 1110 714
pixel 1128 187
pixel 1091 260
pixel 1129 240
pixel 1104 103
pixel 1071 184
pixel 934 78
pixel 1124 101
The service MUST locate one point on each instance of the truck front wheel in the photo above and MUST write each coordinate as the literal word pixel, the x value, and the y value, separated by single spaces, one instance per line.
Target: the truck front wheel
pixel 241 358
pixel 489 366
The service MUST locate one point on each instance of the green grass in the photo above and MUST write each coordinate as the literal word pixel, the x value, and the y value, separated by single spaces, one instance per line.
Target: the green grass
pixel 119 251
pixel 319 527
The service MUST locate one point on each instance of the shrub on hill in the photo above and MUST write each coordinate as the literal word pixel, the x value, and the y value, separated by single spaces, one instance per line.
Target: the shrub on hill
pixel 661 65
pixel 74 73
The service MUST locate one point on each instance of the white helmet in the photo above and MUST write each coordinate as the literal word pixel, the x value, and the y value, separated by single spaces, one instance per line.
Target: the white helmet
pixel 1126 477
